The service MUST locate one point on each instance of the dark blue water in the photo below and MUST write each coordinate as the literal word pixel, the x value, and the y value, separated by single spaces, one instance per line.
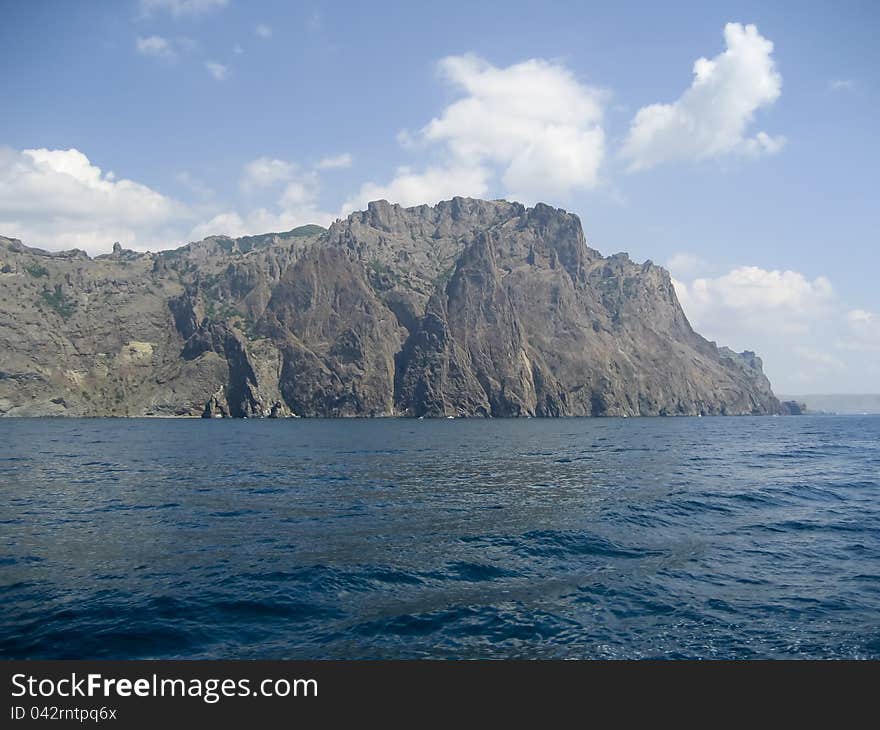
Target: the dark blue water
pixel 712 537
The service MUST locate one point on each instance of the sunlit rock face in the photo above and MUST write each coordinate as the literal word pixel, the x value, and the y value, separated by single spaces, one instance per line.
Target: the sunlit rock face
pixel 466 308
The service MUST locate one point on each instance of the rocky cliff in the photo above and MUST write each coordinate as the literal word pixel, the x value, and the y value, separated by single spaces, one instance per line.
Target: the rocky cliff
pixel 467 308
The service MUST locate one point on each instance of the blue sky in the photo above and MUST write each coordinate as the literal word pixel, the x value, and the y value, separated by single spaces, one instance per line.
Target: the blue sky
pixel 153 122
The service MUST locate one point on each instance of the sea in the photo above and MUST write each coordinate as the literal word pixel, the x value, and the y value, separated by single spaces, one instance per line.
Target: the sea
pixel 715 538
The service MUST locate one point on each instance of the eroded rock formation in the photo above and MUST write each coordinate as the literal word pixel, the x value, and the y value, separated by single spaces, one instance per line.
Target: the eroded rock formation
pixel 466 308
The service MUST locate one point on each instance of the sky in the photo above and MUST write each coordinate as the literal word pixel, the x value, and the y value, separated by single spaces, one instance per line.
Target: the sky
pixel 734 143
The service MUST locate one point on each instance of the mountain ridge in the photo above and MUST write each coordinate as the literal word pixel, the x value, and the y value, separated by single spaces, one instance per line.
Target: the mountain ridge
pixel 465 308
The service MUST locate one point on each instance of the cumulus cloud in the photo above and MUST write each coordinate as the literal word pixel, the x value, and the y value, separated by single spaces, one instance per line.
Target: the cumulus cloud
pixel 712 117
pixel 58 199
pixel 217 70
pixel 179 8
pixel 755 298
pixel 809 340
pixel 533 119
pixel 295 192
pixel 532 126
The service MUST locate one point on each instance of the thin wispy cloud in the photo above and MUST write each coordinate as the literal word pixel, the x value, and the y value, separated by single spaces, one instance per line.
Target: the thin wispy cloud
pixel 218 70
pixel 165 49
pixel 157 47
pixel 335 163
pixel 264 172
pixel 179 8
pixel 263 31
pixel 194 185
pixel 293 200
pixel 841 85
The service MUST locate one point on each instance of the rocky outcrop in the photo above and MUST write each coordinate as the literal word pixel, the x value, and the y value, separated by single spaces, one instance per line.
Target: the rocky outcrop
pixel 217 406
pixel 466 308
pixel 793 408
pixel 337 338
pixel 534 322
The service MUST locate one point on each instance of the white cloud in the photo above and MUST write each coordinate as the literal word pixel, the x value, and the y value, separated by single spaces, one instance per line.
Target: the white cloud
pixel 196 186
pixel 264 172
pixel 862 331
pixel 261 220
pixel 532 125
pixel 58 199
pixel 180 8
pixel 816 361
pixel 763 144
pixel 300 194
pixel 841 85
pixel 428 186
pixel 296 203
pixel 156 46
pixel 217 70
pixel 686 265
pixel 772 301
pixel 807 338
pixel 534 119
pixel 263 31
pixel 166 49
pixel 711 118
pixel 334 163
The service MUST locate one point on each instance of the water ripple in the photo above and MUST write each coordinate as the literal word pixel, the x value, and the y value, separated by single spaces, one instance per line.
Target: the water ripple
pixel 637 538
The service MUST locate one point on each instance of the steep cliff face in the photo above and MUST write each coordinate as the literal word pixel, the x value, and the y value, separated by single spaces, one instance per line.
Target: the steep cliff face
pixel 466 308
pixel 338 339
pixel 534 322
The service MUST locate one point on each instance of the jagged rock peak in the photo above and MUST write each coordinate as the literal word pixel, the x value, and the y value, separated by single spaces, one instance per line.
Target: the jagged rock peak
pixel 466 308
